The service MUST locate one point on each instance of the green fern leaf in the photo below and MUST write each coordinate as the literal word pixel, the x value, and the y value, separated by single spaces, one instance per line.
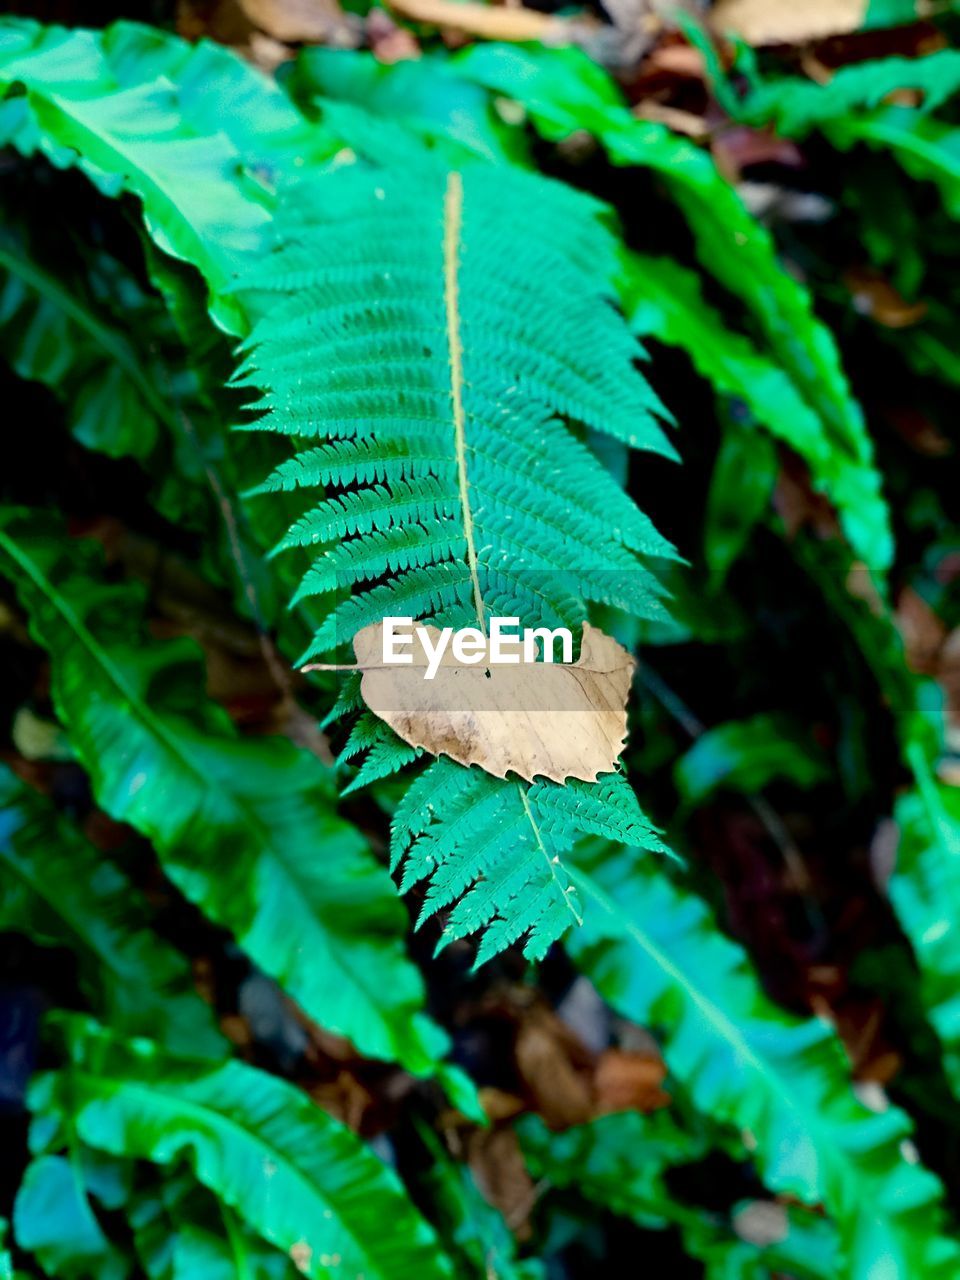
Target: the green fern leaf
pixel 386 753
pixel 245 828
pixel 925 891
pixel 297 1177
pixel 60 891
pixel 455 824
pixel 924 887
pixel 457 493
pixel 425 95
pixel 656 955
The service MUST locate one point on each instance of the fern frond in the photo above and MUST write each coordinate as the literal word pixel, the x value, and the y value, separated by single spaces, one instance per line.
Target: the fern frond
pixel 432 347
pixel 384 758
pixel 386 753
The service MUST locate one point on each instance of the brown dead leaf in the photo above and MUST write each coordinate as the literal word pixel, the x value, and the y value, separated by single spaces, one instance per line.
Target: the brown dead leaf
pixel 491 22
pixel 762 22
pixel 921 630
pixel 738 148
pixel 556 1069
pixel 674 118
pixel 931 650
pixel 499 1170
pixel 237 1030
pixel 498 1105
pixel 389 42
pixel 875 296
pixel 676 59
pixel 799 507
pixel 345 1097
pixel 220 20
pixel 948 677
pixel 627 1080
pixel 295 21
pixel 635 27
pixel 918 430
pixel 533 719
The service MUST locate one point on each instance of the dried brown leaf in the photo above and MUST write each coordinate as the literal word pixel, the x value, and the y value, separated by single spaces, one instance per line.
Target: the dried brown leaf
pixel 922 632
pixel 556 1069
pixel 875 296
pixel 627 1080
pixel 785 21
pixel 295 21
pixel 501 1175
pixel 674 118
pixel 489 21
pixel 498 1105
pixel 533 719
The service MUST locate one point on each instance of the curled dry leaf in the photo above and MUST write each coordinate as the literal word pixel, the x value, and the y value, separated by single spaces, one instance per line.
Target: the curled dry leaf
pixel 533 718
pixel 786 22
pixel 487 21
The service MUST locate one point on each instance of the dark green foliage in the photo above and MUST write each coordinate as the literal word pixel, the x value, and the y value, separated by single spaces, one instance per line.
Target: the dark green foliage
pixel 325 1199
pixel 795 106
pixel 54 1220
pixel 137 716
pixel 450 415
pixel 655 953
pixel 565 92
pixel 620 1162
pixel 60 892
pixel 747 755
